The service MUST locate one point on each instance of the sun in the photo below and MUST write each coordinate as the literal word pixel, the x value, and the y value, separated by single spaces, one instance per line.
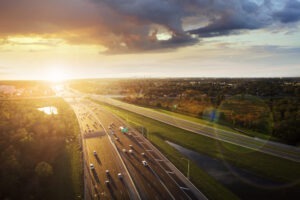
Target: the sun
pixel 55 75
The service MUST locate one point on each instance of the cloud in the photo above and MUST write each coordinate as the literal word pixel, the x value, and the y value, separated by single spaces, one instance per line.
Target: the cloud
pixel 233 16
pixel 275 49
pixel 290 13
pixel 125 26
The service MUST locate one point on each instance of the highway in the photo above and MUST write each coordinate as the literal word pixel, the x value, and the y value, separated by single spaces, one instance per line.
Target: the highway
pixel 268 147
pixel 124 153
pixel 94 138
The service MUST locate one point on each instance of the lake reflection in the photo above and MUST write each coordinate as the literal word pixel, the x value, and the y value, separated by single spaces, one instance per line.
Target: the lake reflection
pixel 49 110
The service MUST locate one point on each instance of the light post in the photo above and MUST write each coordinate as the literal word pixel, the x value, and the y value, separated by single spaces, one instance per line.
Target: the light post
pixel 188 168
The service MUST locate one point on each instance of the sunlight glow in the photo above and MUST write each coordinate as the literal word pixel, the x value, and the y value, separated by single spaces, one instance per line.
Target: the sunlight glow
pixel 55 75
pixel 50 110
pixel 163 36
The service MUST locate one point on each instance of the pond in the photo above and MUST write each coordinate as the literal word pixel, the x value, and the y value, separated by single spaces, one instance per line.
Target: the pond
pixel 244 183
pixel 49 110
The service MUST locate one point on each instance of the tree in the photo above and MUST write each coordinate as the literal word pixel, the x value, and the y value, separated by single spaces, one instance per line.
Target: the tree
pixel 43 169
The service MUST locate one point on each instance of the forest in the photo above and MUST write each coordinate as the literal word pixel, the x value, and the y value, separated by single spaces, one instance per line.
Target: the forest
pixel 40 154
pixel 25 89
pixel 269 106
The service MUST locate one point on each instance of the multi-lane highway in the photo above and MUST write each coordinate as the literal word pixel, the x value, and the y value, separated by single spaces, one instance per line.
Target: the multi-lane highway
pixel 99 183
pixel 268 147
pixel 136 169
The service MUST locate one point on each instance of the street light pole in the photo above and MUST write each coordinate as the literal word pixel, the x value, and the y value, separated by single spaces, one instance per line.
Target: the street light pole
pixel 188 168
pixel 188 171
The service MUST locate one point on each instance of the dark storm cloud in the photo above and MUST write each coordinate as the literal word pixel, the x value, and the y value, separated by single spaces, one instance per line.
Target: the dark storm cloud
pixel 231 16
pixel 290 13
pixel 132 25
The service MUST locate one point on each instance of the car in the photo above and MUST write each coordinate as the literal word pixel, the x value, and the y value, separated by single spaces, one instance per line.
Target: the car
pixel 130 146
pixel 92 167
pixel 124 150
pixel 130 151
pixel 120 175
pixel 95 153
pixel 143 154
pixel 107 182
pixel 107 171
pixel 145 163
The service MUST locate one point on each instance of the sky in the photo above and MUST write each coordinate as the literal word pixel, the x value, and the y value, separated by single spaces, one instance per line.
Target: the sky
pixel 68 39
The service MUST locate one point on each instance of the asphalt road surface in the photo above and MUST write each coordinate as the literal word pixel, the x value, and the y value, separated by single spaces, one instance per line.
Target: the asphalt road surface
pixel 100 184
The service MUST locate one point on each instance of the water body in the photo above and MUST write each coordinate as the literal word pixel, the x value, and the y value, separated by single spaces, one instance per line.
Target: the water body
pixel 245 184
pixel 49 110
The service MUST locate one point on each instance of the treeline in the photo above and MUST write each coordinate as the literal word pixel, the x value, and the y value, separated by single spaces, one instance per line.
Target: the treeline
pixel 269 106
pixel 37 151
pixel 26 88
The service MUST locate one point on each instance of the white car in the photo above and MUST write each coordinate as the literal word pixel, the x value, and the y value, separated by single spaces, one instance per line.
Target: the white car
pixel 130 146
pixel 130 151
pixel 145 163
pixel 107 171
pixel 92 166
pixel 120 175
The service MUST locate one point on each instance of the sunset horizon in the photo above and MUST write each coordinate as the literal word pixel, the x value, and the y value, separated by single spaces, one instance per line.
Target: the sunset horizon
pixel 94 39
pixel 149 99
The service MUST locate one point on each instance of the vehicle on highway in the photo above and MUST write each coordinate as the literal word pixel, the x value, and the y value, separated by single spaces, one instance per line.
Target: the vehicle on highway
pixel 107 171
pixel 92 167
pixel 124 150
pixel 107 182
pixel 145 163
pixel 130 151
pixel 143 154
pixel 120 175
pixel 95 153
pixel 130 146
